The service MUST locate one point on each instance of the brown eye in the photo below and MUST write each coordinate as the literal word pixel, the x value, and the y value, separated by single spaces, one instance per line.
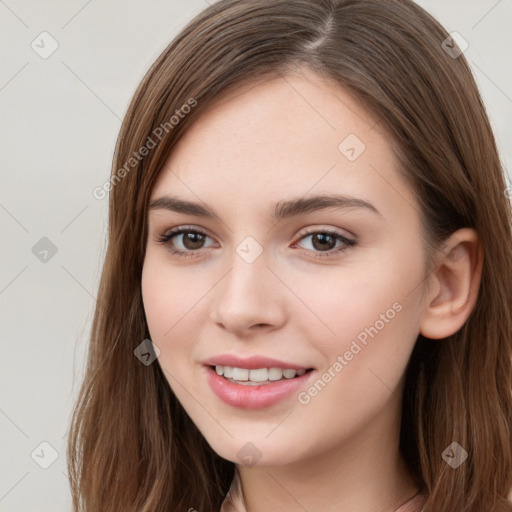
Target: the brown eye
pixel 192 240
pixel 187 240
pixel 323 243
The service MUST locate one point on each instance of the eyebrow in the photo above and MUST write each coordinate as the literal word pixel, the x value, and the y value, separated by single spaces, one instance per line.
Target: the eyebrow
pixel 282 210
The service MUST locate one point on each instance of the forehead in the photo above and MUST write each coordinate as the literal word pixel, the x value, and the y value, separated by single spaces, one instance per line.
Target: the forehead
pixel 280 137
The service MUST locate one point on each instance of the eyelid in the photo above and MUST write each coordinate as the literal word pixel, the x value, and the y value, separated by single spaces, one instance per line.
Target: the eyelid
pixel 321 228
pixel 306 231
pixel 171 233
pixel 186 227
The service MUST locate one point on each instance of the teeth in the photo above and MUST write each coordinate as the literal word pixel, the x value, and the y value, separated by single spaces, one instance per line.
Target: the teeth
pixel 258 374
pixel 240 374
pixel 275 374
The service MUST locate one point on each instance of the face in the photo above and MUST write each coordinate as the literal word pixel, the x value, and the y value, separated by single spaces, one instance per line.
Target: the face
pixel 262 276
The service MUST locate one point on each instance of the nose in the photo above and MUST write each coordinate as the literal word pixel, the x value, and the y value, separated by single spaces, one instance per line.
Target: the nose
pixel 249 299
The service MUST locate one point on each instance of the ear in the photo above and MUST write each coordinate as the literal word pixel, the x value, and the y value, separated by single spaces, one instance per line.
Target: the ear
pixel 454 285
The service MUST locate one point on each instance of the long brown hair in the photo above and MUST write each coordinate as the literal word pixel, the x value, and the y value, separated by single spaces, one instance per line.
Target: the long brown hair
pixel 131 445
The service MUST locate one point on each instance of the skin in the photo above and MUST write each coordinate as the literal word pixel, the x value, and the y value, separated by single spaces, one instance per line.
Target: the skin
pixel 269 141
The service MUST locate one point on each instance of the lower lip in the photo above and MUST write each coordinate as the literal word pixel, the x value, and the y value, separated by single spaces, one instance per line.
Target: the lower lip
pixel 254 397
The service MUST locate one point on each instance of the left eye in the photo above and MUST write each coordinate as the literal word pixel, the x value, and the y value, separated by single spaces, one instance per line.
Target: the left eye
pixel 324 241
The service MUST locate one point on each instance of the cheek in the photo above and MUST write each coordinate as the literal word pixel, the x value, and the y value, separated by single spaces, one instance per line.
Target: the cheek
pixel 378 299
pixel 168 296
pixel 175 309
pixel 376 326
pixel 368 328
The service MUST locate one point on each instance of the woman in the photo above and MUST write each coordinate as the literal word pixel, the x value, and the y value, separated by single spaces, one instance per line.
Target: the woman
pixel 306 295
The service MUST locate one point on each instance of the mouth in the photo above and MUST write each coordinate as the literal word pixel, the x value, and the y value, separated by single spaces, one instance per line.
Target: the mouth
pixel 256 388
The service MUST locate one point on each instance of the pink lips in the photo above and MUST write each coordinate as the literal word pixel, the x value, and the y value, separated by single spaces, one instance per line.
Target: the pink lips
pixel 251 362
pixel 257 396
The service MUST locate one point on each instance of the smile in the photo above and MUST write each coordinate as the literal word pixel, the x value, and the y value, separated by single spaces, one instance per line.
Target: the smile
pixel 243 389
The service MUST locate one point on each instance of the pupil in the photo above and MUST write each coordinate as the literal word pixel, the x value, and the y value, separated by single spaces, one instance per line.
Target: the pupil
pixel 195 239
pixel 322 237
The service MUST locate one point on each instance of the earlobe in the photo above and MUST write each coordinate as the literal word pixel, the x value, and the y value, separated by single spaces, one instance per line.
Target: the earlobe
pixel 454 285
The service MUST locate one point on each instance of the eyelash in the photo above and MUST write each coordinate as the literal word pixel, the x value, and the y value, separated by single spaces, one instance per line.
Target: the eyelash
pixel 167 237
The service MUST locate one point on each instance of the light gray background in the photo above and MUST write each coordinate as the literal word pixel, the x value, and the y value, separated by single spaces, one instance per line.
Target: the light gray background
pixel 59 121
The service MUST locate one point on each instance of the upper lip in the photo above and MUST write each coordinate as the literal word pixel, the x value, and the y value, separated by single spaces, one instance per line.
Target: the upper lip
pixel 251 362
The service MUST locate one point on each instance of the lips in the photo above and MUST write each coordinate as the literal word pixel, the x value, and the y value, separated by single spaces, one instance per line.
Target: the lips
pixel 229 377
pixel 251 362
